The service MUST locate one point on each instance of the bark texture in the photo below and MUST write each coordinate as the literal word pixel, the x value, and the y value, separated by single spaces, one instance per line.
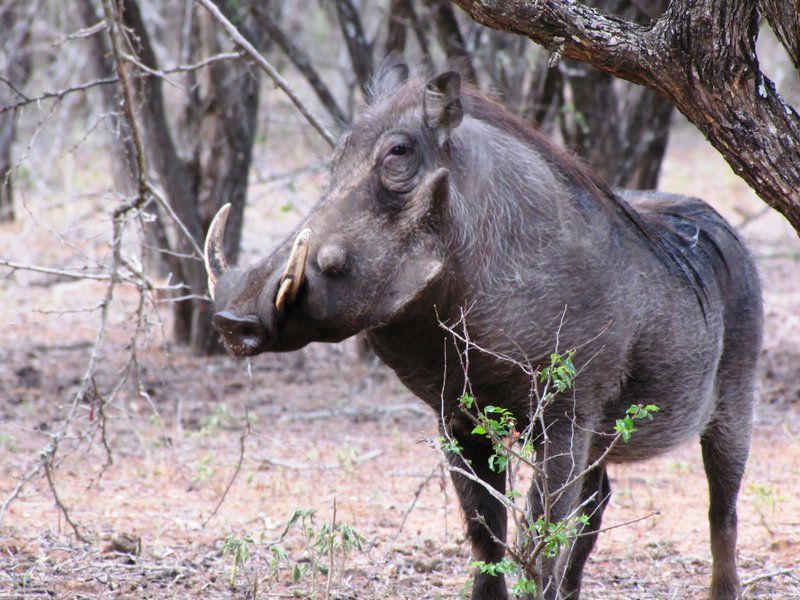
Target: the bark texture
pixel 700 55
pixel 15 68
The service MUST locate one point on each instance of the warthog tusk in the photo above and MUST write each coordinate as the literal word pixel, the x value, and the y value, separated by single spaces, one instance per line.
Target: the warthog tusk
pixel 214 251
pixel 295 270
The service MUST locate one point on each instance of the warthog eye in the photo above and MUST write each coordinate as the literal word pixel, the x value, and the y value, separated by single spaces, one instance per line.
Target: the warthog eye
pixel 399 150
pixel 399 163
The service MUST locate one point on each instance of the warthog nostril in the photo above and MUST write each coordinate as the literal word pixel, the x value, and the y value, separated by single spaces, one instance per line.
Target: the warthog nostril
pixel 331 258
pixel 246 330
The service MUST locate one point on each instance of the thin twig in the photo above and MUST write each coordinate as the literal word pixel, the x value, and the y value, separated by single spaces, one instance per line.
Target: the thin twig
pixel 650 515
pixel 101 412
pixel 321 466
pixel 85 87
pixel 410 508
pixel 53 271
pixel 369 411
pixel 245 432
pixel 32 472
pixel 48 466
pixel 47 453
pixel 330 553
pixel 59 95
pixel 770 575
pixel 168 207
pixel 300 60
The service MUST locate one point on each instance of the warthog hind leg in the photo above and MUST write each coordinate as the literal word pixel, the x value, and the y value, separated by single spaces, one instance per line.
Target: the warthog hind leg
pixel 724 455
pixel 597 486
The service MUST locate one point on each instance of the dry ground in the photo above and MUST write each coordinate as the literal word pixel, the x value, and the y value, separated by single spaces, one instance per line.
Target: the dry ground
pixel 326 428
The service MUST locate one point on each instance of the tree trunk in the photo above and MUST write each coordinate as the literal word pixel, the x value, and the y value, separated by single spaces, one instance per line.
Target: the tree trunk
pixel 700 55
pixel 400 12
pixel 8 131
pixel 220 117
pixel 226 148
pixel 15 68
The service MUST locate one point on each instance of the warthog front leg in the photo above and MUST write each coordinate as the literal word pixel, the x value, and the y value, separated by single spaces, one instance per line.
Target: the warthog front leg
pixel 564 453
pixel 481 510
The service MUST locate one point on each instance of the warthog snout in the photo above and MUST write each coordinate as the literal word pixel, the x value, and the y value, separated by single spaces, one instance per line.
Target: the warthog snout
pixel 242 334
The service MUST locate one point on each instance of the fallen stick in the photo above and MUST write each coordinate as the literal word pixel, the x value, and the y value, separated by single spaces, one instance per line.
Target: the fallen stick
pixel 297 466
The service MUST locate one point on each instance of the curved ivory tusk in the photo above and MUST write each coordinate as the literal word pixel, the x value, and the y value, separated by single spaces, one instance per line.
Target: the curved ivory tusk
pixel 283 292
pixel 295 270
pixel 214 251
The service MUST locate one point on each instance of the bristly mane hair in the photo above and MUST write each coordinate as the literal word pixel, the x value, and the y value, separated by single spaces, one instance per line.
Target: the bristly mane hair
pixel 668 245
pixel 665 243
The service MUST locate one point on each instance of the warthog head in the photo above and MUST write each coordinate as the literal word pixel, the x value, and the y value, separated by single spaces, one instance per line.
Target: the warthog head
pixel 371 248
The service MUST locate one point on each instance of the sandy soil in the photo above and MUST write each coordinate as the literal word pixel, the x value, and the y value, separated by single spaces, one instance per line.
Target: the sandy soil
pixel 327 430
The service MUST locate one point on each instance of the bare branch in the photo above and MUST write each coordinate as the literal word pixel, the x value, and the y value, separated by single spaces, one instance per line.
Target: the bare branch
pixel 301 61
pixel 353 412
pixel 320 466
pixel 48 469
pixel 411 506
pixel 52 271
pixel 83 87
pixel 358 47
pixel 262 62
pixel 771 575
pixel 59 95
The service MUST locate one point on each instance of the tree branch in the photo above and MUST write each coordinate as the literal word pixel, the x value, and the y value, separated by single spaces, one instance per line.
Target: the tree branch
pixel 59 95
pixel 571 29
pixel 701 56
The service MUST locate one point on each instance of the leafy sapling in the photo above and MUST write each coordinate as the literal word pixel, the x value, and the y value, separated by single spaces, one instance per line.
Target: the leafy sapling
pixel 239 549
pixel 625 426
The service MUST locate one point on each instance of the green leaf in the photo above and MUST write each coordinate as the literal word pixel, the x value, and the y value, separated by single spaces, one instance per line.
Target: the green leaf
pixel 498 463
pixel 505 567
pixel 466 401
pixel 524 587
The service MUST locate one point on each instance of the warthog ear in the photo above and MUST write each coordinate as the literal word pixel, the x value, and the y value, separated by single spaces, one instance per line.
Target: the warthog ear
pixel 411 280
pixel 441 104
pixel 390 77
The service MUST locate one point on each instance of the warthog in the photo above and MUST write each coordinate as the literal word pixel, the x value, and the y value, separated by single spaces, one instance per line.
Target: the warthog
pixel 440 203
